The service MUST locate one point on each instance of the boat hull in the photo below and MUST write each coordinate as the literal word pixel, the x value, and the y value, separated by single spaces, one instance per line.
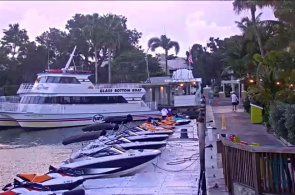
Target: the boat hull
pixel 6 121
pixel 36 120
pixel 148 138
pixel 113 167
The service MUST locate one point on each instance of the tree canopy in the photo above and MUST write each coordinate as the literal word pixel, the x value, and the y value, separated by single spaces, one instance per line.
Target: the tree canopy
pixel 99 38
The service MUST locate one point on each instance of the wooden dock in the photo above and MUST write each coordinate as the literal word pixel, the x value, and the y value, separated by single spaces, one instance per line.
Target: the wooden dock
pixel 175 171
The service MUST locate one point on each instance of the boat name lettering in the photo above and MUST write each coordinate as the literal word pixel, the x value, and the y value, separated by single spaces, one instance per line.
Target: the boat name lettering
pixel 33 115
pixel 106 90
pixel 120 90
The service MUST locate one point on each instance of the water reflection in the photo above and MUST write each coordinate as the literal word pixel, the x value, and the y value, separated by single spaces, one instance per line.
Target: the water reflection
pixel 19 136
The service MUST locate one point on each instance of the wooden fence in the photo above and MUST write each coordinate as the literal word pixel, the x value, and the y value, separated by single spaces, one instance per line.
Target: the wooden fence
pixel 264 169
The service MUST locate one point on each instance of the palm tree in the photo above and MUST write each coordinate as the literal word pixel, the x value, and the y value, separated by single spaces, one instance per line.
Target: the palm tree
pixel 104 32
pixel 165 43
pixel 14 38
pixel 241 5
pixel 112 31
pixel 92 33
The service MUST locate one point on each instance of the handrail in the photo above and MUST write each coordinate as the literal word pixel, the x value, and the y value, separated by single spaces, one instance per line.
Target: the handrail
pixel 259 149
pixel 119 85
pixel 263 169
pixel 25 87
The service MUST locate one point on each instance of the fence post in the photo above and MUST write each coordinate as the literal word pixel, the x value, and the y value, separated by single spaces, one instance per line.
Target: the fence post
pixel 201 135
pixel 256 173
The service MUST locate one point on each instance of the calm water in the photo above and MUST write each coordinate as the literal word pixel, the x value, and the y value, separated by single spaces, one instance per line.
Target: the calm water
pixel 32 151
pixel 18 136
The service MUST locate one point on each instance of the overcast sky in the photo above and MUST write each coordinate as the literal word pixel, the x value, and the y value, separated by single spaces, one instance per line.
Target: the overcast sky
pixel 187 22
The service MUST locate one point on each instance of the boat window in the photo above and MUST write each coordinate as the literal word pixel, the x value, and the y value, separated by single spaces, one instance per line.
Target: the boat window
pixel 50 100
pixel 50 80
pixel 37 80
pixel 23 100
pixel 43 79
pixel 66 100
pixel 73 100
pixel 69 80
pixel 56 80
pixel 41 100
pixel 30 100
pixel 35 100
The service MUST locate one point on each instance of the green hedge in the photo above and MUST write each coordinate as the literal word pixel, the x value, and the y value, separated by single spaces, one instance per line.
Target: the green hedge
pixel 282 120
pixel 277 119
pixel 9 90
pixel 290 122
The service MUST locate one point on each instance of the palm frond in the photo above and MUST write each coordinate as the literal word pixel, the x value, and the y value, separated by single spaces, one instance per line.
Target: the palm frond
pixel 153 40
pixel 175 45
pixel 155 45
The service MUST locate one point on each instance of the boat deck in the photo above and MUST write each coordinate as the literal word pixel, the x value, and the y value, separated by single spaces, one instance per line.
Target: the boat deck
pixel 160 178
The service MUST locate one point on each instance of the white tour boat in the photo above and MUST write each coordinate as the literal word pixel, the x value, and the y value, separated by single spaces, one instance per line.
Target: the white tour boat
pixel 65 98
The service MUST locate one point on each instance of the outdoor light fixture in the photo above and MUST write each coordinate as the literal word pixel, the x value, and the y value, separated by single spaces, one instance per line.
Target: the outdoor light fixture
pixel 194 83
pixel 278 83
pixel 161 88
pixel 181 84
pixel 251 80
pixel 291 85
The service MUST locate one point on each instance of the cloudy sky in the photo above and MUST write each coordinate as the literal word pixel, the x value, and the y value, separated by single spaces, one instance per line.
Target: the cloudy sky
pixel 187 22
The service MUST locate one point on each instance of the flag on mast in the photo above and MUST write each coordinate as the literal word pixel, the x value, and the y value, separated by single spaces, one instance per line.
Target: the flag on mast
pixel 190 58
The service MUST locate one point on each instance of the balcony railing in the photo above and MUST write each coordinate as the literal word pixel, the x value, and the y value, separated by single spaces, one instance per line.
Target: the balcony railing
pixel 119 85
pixel 262 170
pixel 152 105
pixel 25 87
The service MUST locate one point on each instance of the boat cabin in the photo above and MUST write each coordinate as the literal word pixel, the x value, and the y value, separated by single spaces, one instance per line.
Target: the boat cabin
pixel 182 89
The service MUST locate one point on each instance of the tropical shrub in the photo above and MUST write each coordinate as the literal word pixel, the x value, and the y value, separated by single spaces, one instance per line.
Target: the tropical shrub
pixel 246 104
pixel 290 122
pixel 277 119
pixel 286 95
pixel 10 90
pixel 254 95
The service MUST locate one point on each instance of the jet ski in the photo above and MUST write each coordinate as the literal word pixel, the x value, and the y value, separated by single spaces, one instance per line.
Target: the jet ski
pixel 101 127
pixel 52 180
pixel 134 136
pixel 31 188
pixel 122 142
pixel 141 129
pixel 109 161
pixel 137 129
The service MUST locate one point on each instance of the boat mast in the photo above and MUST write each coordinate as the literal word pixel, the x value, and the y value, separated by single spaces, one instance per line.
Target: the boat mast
pixel 70 59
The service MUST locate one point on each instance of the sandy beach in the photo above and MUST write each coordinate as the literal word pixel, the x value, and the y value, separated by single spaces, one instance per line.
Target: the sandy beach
pixel 35 159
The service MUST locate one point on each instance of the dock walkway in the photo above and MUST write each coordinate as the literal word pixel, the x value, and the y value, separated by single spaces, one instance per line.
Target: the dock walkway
pixel 237 123
pixel 176 171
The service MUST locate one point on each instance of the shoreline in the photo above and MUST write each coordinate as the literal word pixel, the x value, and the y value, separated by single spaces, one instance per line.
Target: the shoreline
pixel 32 159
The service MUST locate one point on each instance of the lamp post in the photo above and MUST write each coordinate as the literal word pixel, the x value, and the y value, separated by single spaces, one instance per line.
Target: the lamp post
pixel 147 65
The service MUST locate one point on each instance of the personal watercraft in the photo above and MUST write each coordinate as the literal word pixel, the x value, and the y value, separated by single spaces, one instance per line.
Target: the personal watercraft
pixel 32 188
pixel 122 142
pixel 109 161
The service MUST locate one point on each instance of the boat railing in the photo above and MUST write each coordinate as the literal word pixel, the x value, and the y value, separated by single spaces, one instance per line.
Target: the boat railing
pixel 9 106
pixel 10 99
pixel 25 87
pixel 119 85
pixel 152 105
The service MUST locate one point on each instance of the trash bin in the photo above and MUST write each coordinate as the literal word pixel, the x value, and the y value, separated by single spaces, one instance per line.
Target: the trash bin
pixel 256 114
